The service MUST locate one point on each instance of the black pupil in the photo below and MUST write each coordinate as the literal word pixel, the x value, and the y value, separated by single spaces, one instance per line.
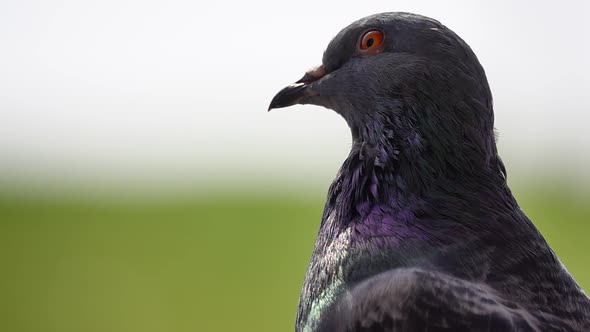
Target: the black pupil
pixel 370 42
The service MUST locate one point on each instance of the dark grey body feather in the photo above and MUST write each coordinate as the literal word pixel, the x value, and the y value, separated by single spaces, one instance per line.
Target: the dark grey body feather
pixel 444 270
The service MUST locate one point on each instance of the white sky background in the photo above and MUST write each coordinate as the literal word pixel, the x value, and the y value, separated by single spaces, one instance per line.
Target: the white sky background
pixel 176 90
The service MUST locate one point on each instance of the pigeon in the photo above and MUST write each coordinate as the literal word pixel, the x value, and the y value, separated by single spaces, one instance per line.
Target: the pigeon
pixel 420 231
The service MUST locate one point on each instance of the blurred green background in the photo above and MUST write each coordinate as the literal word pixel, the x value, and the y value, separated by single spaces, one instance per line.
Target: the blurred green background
pixel 229 261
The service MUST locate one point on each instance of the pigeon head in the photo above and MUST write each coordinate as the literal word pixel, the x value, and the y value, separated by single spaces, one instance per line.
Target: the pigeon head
pixel 408 81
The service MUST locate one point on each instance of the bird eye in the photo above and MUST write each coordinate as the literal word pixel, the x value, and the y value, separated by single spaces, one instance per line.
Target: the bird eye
pixel 372 40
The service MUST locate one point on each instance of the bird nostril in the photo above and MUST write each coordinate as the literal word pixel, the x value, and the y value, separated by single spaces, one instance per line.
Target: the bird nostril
pixel 313 75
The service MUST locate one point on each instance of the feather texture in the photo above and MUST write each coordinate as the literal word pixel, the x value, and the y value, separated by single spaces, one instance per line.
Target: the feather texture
pixel 420 231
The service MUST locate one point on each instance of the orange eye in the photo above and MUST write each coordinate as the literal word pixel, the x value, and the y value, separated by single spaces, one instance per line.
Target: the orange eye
pixel 372 40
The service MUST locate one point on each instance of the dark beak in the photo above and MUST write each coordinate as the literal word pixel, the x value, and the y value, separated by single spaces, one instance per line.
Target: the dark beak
pixel 298 92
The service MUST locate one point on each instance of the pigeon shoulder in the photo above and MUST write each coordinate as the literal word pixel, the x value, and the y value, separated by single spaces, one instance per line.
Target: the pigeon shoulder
pixel 415 299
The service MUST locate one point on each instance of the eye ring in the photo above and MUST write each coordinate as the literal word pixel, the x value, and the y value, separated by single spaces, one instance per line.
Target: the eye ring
pixel 371 42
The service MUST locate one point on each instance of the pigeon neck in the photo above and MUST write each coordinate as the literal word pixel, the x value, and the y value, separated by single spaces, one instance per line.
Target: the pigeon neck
pixel 368 176
pixel 419 154
pixel 391 165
